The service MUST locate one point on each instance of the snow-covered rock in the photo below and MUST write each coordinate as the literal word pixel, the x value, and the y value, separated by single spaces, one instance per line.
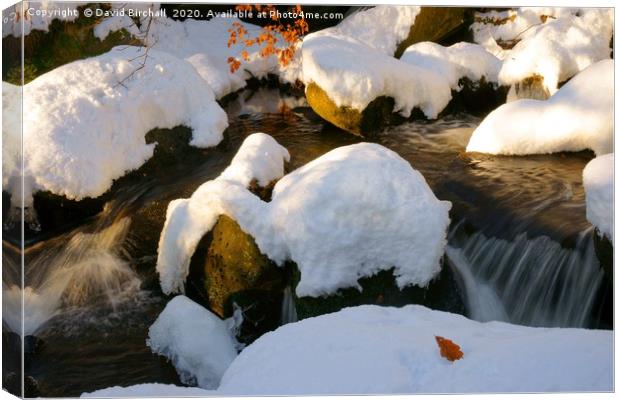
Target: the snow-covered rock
pixel 381 350
pixel 461 60
pixel 354 74
pixel 84 123
pixel 27 16
pixel 355 211
pixel 198 343
pixel 260 157
pixel 578 117
pixel 560 48
pixel 150 390
pixel 337 223
pixel 598 182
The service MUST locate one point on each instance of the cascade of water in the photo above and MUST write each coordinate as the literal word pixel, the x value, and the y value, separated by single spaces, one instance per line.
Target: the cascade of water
pixel 528 281
pixel 289 313
pixel 79 269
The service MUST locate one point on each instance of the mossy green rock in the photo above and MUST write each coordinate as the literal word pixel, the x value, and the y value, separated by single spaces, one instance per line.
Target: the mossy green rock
pixel 443 293
pixel 432 25
pixel 231 263
pixel 364 123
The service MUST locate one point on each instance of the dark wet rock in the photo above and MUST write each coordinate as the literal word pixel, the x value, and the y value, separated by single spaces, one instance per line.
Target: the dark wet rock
pixel 605 253
pixel 432 25
pixel 443 293
pixel 476 97
pixel 260 310
pixel 228 267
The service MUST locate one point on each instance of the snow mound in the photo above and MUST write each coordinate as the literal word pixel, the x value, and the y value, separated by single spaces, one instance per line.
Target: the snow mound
pixel 354 74
pixel 84 122
pixel 560 48
pixel 355 211
pixel 150 390
pixel 39 16
pixel 352 212
pixel 260 157
pixel 381 350
pixel 598 182
pixel 197 342
pixel 461 60
pixel 578 117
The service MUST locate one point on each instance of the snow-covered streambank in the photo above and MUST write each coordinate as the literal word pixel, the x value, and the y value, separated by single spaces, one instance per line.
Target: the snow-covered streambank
pixel 598 181
pixel 578 117
pixel 371 349
pixel 323 216
pixel 84 123
pixel 380 350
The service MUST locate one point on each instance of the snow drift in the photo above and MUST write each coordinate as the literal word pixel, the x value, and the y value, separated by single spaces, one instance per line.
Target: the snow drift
pixel 578 117
pixel 380 350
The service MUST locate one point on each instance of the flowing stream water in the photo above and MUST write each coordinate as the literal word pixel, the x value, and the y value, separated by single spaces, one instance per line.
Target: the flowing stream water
pixel 519 244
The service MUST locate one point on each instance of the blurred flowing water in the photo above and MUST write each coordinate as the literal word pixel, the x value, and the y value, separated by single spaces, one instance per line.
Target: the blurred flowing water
pixel 519 243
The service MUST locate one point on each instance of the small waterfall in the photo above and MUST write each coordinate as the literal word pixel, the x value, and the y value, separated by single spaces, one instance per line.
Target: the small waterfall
pixel 76 270
pixel 289 313
pixel 527 281
pixel 483 302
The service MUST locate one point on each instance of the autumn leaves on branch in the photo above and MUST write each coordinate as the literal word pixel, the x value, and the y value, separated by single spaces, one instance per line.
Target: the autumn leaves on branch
pixel 277 38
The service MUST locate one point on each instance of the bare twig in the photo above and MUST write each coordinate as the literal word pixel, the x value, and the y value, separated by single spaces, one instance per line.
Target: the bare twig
pixel 143 56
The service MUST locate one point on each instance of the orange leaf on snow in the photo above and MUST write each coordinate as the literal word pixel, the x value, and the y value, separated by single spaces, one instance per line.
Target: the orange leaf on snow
pixel 448 349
